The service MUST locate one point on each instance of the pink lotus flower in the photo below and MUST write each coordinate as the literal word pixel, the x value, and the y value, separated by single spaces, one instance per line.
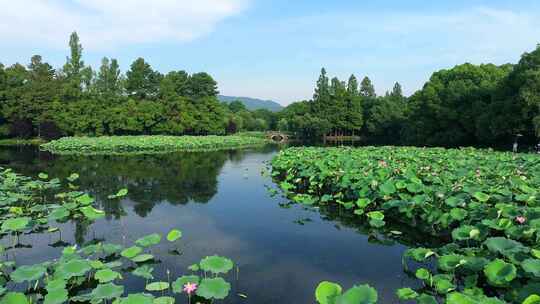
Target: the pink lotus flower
pixel 189 288
pixel 521 219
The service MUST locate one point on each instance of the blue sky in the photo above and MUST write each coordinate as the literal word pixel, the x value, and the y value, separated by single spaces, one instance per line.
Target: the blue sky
pixel 274 49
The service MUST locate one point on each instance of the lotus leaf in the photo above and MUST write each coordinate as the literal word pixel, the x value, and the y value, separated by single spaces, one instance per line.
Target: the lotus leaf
pixel 362 294
pixel 149 240
pixel 28 273
pixel 326 292
pixel 216 264
pixel 157 286
pixel 174 235
pixel 216 288
pixel 106 275
pixel 500 273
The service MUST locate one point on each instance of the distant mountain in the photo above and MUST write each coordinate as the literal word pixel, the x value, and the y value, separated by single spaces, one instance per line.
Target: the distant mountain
pixel 253 103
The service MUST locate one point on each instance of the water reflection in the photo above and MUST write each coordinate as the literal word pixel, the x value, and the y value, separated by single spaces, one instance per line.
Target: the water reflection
pixel 220 201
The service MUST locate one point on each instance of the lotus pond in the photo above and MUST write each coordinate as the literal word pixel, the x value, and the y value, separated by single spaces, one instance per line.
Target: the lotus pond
pixel 153 228
pixel 482 206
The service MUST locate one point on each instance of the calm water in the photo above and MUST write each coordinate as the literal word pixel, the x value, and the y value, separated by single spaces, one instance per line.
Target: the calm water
pixel 221 203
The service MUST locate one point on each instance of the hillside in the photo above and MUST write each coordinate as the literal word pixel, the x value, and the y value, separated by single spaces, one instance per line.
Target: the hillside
pixel 253 103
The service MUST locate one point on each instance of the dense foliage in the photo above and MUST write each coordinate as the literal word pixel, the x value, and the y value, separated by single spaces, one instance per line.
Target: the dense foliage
pixel 484 206
pixel 479 105
pixel 39 101
pixel 148 144
pixel 94 272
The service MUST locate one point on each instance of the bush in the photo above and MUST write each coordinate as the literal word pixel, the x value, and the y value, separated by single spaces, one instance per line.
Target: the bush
pixel 21 128
pixel 49 130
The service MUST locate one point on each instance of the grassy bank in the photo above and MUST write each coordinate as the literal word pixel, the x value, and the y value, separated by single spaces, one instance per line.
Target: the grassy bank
pixel 21 142
pixel 483 205
pixel 148 144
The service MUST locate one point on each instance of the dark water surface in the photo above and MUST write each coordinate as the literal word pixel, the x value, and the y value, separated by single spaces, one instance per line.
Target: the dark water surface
pixel 221 203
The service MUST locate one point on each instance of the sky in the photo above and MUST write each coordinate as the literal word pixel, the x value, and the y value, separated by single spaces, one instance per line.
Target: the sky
pixel 274 49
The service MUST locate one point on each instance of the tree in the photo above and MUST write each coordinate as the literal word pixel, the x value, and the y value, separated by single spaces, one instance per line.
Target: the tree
pixel 174 84
pixel 236 106
pixel 142 82
pixel 322 93
pixel 202 85
pixel 366 88
pixel 73 69
pixel 352 86
pixel 397 91
pixel 109 79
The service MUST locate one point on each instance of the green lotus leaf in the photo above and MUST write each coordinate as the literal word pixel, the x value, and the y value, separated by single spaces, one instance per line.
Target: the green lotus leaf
pixel 216 288
pixel 15 224
pixel 194 267
pixel 56 296
pixel 482 197
pixel 157 286
pixel 28 273
pixel 531 266
pixel 73 268
pixel 458 214
pixel 14 298
pixel 505 246
pixel 426 299
pixel 326 292
pixel 131 252
pixel 465 232
pixel 92 213
pixel 56 285
pixel 142 258
pixel 107 291
pixel 164 300
pixel 144 271
pixel 85 199
pixel 532 299
pixel 406 294
pixel 450 262
pixel 106 275
pixel 59 214
pixel 110 249
pixel 174 235
pixel 362 294
pixel 419 254
pixel 376 215
pixel 362 203
pixel 423 274
pixel 138 298
pixel 178 285
pixel 500 273
pixel 443 283
pixel 216 264
pixel 387 188
pixel 149 240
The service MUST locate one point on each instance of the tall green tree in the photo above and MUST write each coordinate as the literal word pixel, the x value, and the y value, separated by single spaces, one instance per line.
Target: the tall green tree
pixel 367 89
pixel 142 82
pixel 352 86
pixel 174 84
pixel 202 85
pixel 108 83
pixel 74 70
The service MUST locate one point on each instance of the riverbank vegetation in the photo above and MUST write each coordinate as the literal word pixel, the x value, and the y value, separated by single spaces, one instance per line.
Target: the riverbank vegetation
pixel 149 144
pixel 482 205
pixel 468 105
pixel 39 101
pixel 94 272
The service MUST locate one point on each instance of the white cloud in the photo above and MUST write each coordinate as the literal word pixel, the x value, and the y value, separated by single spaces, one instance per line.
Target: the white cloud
pixel 110 23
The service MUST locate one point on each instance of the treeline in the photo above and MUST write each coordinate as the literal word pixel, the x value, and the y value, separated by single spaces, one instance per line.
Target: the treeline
pixel 468 105
pixel 38 101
